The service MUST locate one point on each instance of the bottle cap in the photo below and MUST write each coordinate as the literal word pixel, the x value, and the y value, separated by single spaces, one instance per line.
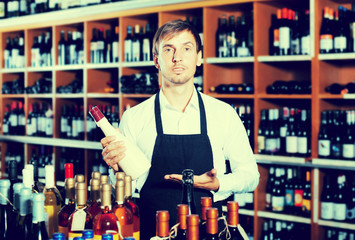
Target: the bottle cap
pixel 206 202
pixel 79 178
pixel 193 223
pixel 4 190
pixel 182 212
pixel 212 220
pixel 96 114
pixel 120 175
pixel 27 174
pixel 162 218
pixel 128 186
pixel 107 236
pixel 16 194
pixel 58 236
pixel 25 201
pixel 49 169
pixel 38 207
pixel 103 179
pixel 232 213
pixel 95 175
pixel 106 195
pixel 94 184
pixel 69 170
pixel 193 220
pixel 88 234
pixel 119 191
pixel 81 192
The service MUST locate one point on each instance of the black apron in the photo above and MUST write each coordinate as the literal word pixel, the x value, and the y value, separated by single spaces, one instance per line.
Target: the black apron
pixel 172 154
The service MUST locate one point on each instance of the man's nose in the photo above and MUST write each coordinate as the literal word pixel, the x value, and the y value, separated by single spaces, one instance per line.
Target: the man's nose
pixel 177 56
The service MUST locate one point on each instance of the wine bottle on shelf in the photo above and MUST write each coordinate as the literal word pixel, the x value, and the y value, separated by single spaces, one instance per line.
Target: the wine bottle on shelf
pixel 326 34
pixel 339 200
pixel 269 188
pixel 123 214
pixel 242 47
pixel 306 200
pixel 100 46
pixel 274 35
pixel 324 141
pixel 285 33
pixel 303 135
pixel 38 229
pixel 80 219
pixel 193 223
pixel 350 212
pixel 336 145
pixel 278 194
pixel 61 48
pixel 341 32
pixel 188 189
pixel 291 135
pixel 162 224
pixel 135 162
pixel 115 48
pixel 299 189
pixel 94 202
pixel 182 212
pixel 136 44
pixel 146 44
pixel 289 192
pixel 221 38
pixel 15 213
pixel 326 200
pixel 348 140
pixel 128 45
pixel 132 206
pixel 105 221
pixel 68 208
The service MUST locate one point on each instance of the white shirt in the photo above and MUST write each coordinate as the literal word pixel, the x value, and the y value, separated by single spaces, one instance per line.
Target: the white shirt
pixel 225 130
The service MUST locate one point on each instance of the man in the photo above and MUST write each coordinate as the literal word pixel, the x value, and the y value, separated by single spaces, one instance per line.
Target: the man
pixel 180 128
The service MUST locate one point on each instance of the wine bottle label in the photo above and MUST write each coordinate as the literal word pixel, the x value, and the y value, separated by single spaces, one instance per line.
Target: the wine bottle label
pixel 78 223
pixel 2 9
pixel 285 35
pixel 298 197
pixel 276 38
pixel 100 45
pixel 339 211
pixel 114 50
pixel 302 145
pixel 326 42
pixel 63 124
pixel 324 147
pixel 340 43
pixel 7 58
pixel 243 52
pixel 336 152
pixel 291 144
pixel 93 46
pixel 348 151
pixel 305 45
pixel 13 120
pixel 350 213
pixel 49 127
pixel 261 143
pixel 283 131
pixel 136 51
pixel 278 203
pixel 146 49
pixel 71 236
pixel 268 200
pixel 289 197
pixel 296 46
pixel 327 210
pixel 5 128
pixel 128 50
pixel 306 205
pixel 271 145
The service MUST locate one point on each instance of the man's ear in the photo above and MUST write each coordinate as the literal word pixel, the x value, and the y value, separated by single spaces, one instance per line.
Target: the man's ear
pixel 155 59
pixel 199 58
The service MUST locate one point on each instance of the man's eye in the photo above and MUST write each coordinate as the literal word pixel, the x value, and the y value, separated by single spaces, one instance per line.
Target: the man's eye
pixel 167 50
pixel 187 49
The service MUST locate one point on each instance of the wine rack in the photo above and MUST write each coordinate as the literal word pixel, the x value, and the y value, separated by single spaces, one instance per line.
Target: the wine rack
pixel 259 69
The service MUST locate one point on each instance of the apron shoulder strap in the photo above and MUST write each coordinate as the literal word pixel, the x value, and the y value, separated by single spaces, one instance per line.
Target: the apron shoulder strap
pixel 203 121
pixel 158 122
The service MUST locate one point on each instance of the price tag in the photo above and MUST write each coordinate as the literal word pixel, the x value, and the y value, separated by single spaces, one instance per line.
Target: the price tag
pixel 78 223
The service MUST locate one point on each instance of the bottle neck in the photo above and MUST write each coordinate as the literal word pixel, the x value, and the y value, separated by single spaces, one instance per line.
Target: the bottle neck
pixel 188 197
pixel 94 195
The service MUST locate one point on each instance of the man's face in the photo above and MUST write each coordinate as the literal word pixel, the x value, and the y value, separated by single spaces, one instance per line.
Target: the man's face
pixel 177 58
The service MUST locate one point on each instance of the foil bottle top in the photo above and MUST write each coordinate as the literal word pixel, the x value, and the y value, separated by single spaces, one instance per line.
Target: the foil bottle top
pixel 96 114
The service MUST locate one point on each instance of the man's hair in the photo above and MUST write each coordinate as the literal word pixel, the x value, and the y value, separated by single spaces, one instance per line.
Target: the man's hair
pixel 170 29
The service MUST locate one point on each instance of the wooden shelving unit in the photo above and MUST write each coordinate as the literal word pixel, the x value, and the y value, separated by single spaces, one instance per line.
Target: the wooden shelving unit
pixel 260 69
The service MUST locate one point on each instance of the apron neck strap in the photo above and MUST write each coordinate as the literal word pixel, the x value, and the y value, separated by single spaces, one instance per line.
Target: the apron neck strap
pixel 158 122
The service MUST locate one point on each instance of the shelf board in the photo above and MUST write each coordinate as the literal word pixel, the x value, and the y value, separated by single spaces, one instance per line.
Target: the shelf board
pixel 56 142
pixel 69 67
pixel 12 70
pixel 263 158
pixel 337 56
pixel 69 95
pixel 13 95
pixel 342 225
pixel 230 60
pixel 40 95
pixel 337 96
pixel 245 96
pixel 284 96
pixel 290 58
pixel 138 64
pixel 284 217
pixel 40 69
pixel 102 65
pixel 246 212
pixel 103 95
pixel 129 95
pixel 333 163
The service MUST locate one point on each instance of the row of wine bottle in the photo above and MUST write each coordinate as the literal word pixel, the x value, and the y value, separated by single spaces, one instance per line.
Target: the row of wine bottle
pixel 284 131
pixel 104 49
pixel 338 198
pixel 14 52
pixel 337 30
pixel 41 50
pixel 234 38
pixel 287 191
pixel 243 88
pixel 17 8
pixel 336 134
pixel 289 33
pixel 289 87
pixel 338 234
pixel 277 229
pixel 337 88
pixel 142 83
pixel 71 48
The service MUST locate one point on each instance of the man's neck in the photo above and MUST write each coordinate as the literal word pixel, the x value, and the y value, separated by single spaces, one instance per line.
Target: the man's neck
pixel 178 95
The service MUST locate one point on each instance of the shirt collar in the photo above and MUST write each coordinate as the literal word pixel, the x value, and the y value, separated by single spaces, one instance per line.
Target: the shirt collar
pixel 164 103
